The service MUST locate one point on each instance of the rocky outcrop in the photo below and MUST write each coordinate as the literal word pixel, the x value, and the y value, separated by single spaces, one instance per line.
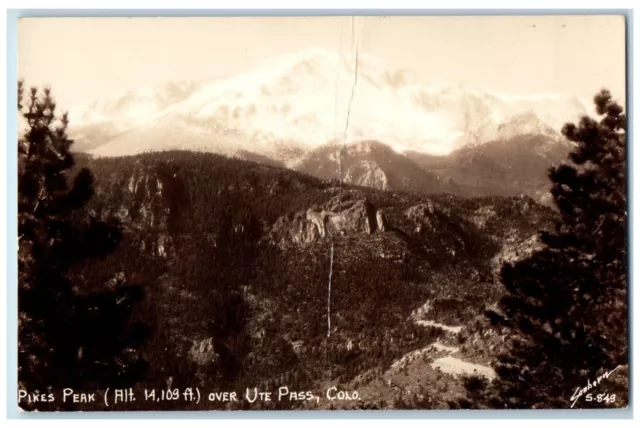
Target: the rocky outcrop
pixel 203 353
pixel 367 173
pixel 423 216
pixel 381 221
pixel 341 215
pixel 148 201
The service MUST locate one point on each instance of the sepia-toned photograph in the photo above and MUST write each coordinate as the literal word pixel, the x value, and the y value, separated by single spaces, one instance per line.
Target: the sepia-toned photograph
pixel 322 213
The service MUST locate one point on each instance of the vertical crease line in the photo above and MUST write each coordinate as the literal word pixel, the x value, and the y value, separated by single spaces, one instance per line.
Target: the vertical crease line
pixel 355 82
pixel 327 356
pixel 335 111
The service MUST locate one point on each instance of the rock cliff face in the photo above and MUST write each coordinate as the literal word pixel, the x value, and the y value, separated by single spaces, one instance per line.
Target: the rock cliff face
pixel 146 203
pixel 381 221
pixel 423 216
pixel 367 173
pixel 341 215
pixel 372 164
pixel 203 352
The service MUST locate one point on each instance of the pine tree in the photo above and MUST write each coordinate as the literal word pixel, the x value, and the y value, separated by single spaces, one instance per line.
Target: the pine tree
pixel 566 305
pixel 67 338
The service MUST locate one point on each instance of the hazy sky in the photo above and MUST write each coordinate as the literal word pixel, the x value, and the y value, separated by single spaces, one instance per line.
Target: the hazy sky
pixel 84 58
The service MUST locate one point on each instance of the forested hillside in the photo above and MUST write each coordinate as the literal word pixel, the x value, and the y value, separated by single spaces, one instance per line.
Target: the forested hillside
pixel 236 270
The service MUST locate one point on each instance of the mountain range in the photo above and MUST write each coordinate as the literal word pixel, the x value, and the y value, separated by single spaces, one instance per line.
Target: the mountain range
pixel 295 110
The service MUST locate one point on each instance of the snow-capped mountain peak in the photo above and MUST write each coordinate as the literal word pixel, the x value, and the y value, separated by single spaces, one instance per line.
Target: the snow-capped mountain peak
pixel 132 107
pixel 305 99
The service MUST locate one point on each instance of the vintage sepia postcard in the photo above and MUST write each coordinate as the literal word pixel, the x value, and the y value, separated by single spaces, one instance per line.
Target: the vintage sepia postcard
pixel 322 213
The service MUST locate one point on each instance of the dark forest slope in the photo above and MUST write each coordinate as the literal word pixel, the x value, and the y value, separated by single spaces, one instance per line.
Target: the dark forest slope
pixel 235 257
